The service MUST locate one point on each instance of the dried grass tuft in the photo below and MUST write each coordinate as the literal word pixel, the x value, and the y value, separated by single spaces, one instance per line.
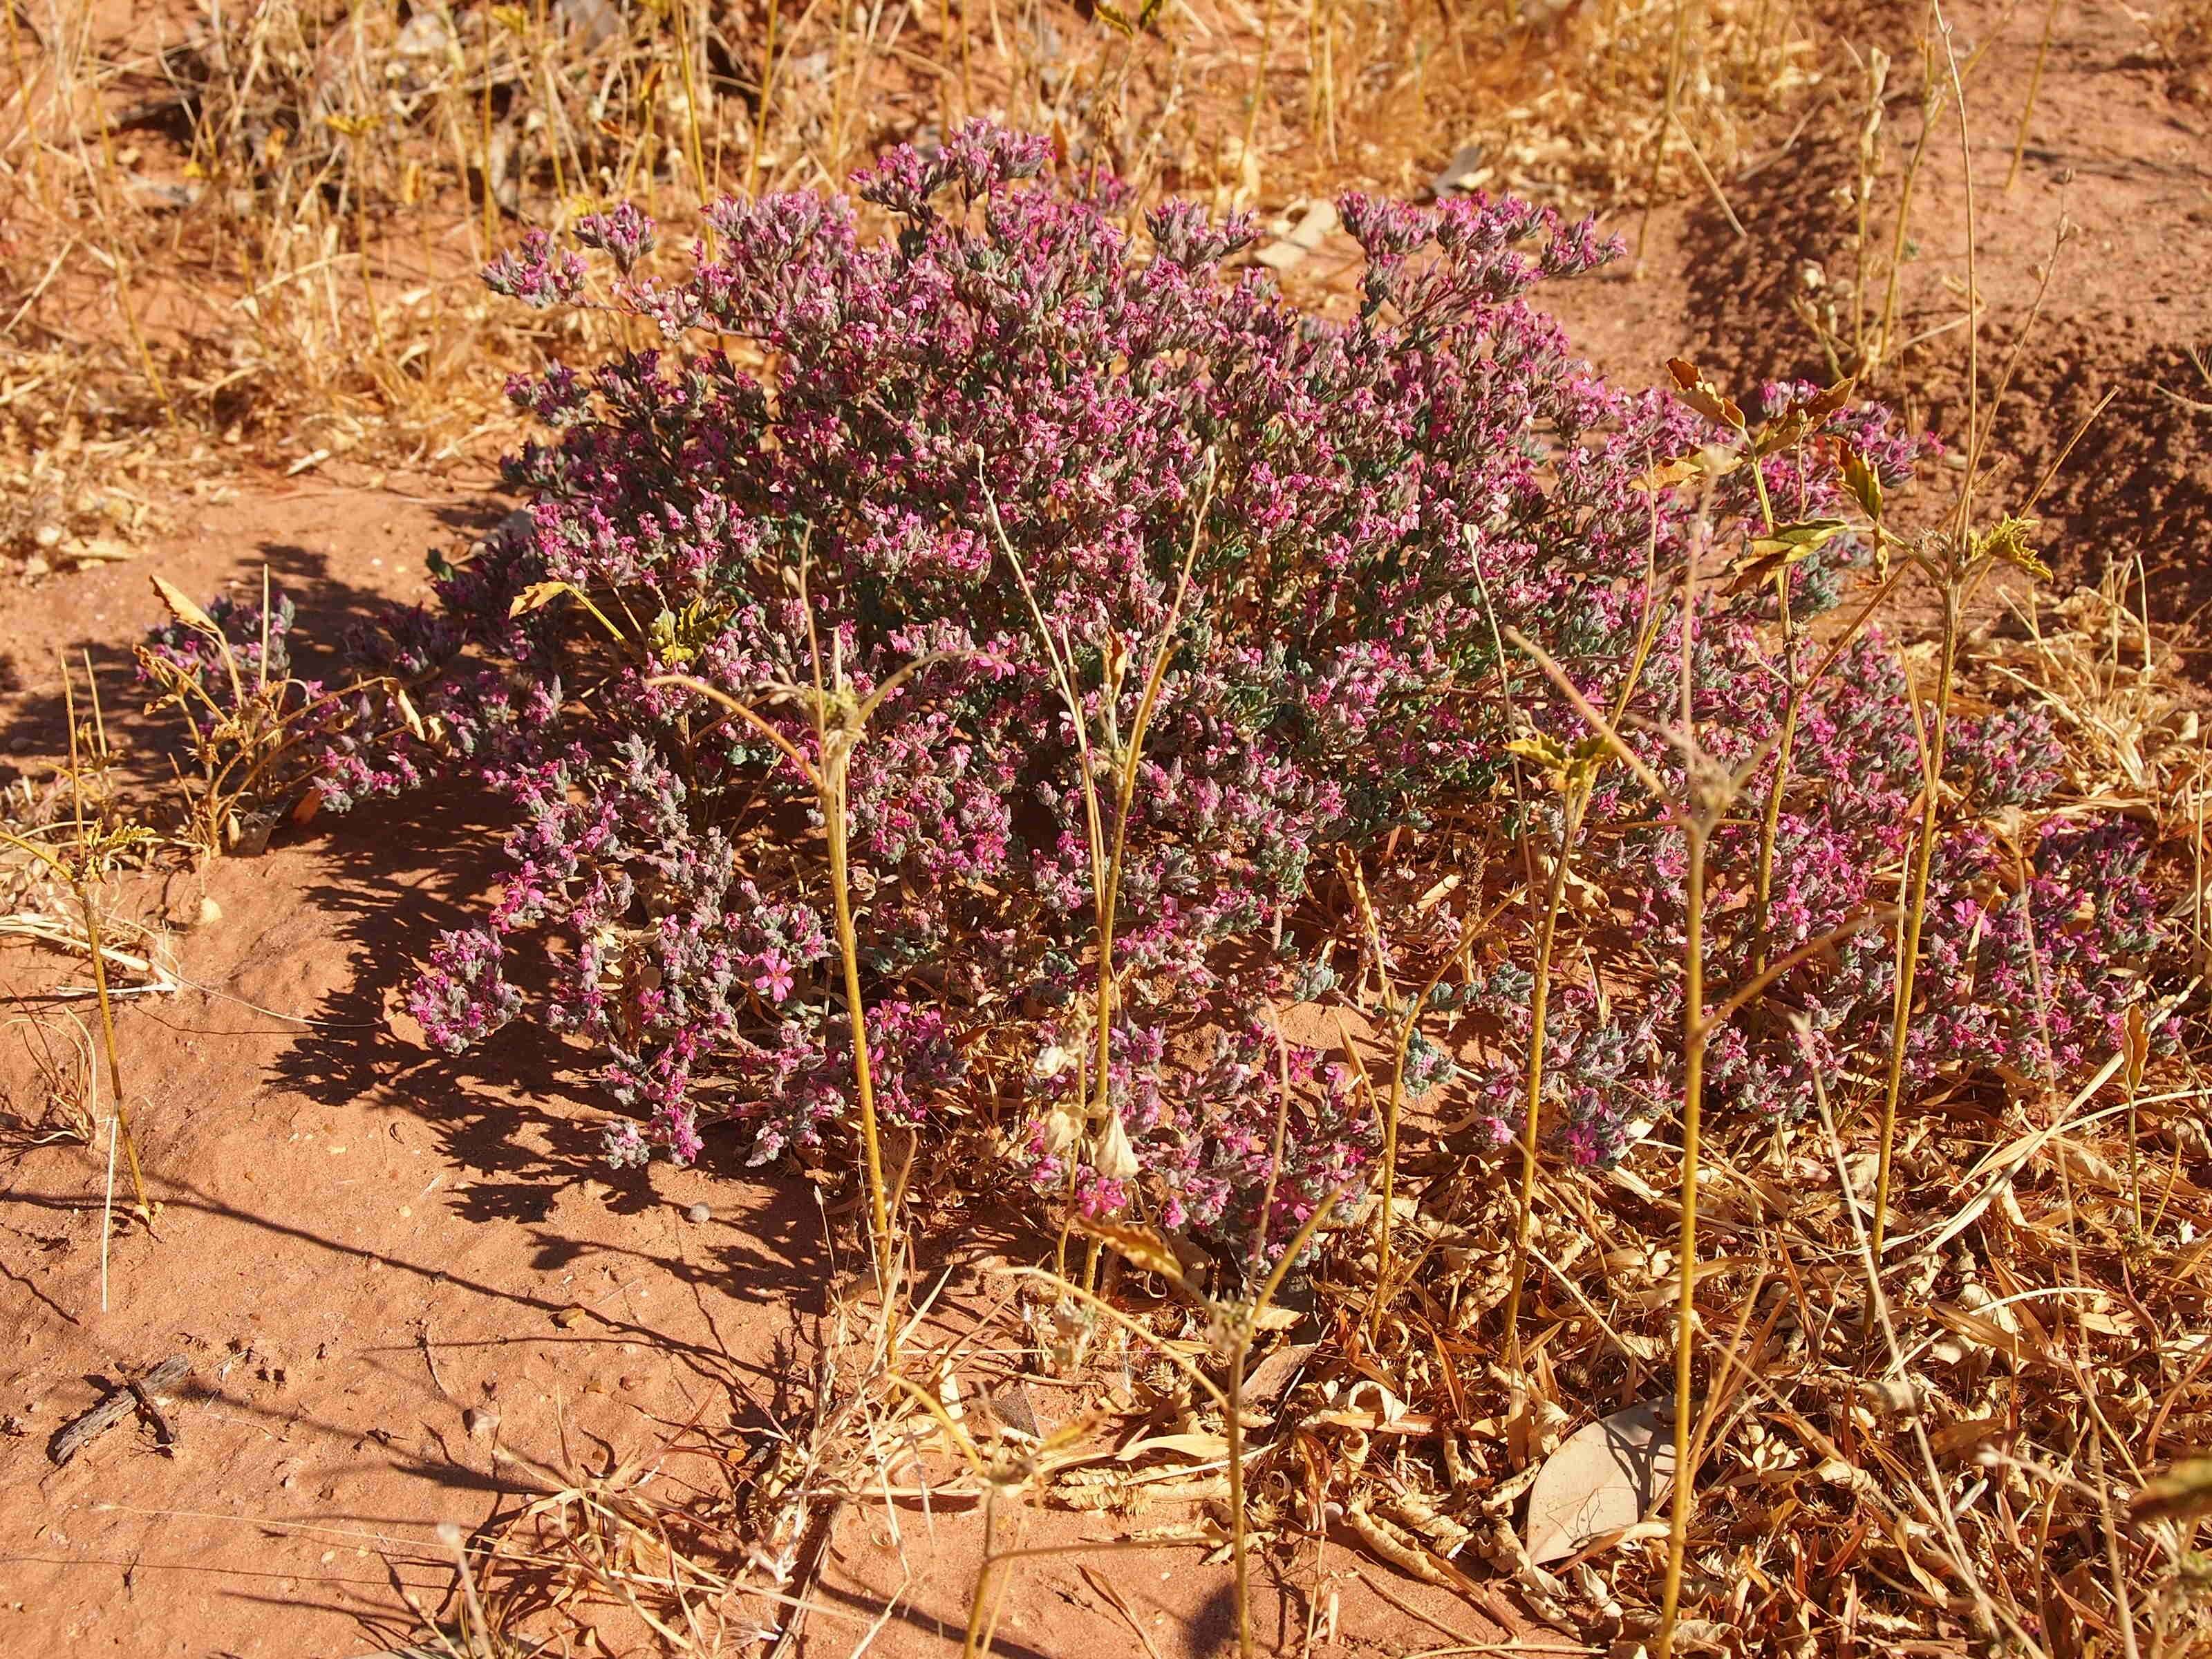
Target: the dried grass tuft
pixel 263 225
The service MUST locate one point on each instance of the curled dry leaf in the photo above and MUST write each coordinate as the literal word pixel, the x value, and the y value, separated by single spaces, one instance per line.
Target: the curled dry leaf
pixel 1115 1158
pixel 182 608
pixel 1702 395
pixel 2183 1493
pixel 1140 1246
pixel 1200 1446
pixel 1273 1374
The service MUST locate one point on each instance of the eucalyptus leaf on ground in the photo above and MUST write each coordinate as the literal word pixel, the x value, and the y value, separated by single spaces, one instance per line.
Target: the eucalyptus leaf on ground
pixel 1605 1476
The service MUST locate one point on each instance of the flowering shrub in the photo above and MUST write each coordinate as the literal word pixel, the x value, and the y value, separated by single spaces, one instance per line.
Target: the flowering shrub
pixel 1001 432
pixel 267 741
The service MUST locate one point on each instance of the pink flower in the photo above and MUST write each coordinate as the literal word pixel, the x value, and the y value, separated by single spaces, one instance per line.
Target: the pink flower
pixel 775 980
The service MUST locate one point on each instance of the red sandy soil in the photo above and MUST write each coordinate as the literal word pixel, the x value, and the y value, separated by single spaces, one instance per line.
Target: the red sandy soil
pixel 363 1246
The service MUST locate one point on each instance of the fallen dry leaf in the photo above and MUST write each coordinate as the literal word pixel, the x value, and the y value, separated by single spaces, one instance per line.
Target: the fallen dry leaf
pixel 1603 1478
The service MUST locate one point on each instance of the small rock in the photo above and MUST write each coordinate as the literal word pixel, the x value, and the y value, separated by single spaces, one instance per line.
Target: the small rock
pixel 1319 218
pixel 591 21
pixel 518 527
pixel 479 1422
pixel 700 1214
pixel 1316 223
pixel 19 745
pixel 426 35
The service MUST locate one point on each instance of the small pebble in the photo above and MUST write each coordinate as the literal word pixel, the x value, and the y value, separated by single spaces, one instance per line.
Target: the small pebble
pixel 480 1422
pixel 700 1213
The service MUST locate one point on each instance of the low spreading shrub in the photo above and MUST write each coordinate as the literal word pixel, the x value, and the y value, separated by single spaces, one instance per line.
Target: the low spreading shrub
pixel 268 742
pixel 995 440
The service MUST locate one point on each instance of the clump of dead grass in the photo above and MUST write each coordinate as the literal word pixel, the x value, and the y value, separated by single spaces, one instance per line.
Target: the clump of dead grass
pixel 1643 100
pixel 264 226
pixel 2181 33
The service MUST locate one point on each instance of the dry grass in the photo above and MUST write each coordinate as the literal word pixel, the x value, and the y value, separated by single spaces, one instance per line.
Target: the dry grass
pixel 254 230
pixel 2182 32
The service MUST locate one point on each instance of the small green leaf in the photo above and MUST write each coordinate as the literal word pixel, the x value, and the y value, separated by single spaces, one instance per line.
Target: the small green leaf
pixel 2006 541
pixel 1794 541
pixel 1562 766
pixel 1543 750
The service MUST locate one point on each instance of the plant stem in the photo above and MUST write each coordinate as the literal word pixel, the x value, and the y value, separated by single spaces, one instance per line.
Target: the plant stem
pixel 1538 1000
pixel 2034 81
pixel 1869 160
pixel 1249 159
pixel 879 1220
pixel 107 1042
pixel 1666 122
pixel 691 94
pixel 36 186
pixel 1476 923
pixel 1931 101
pixel 1908 955
pixel 109 206
pixel 80 881
pixel 1696 814
pixel 760 120
pixel 1693 1084
pixel 1770 826
pixel 1237 1548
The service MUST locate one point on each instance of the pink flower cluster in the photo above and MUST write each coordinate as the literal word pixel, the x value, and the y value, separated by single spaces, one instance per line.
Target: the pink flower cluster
pixel 1011 393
